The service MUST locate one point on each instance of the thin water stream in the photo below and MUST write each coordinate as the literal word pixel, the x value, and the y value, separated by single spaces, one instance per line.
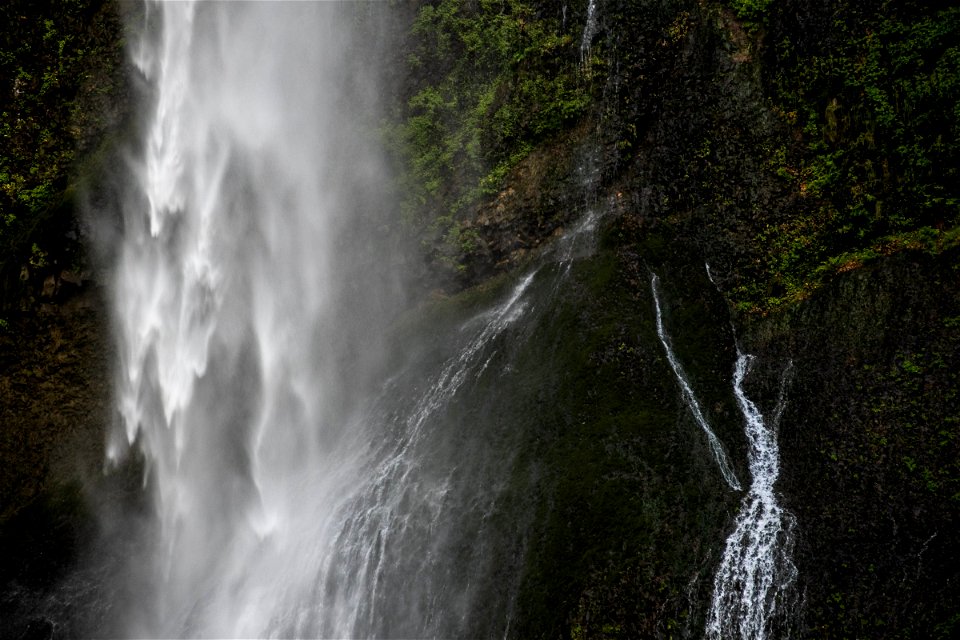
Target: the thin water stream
pixel 756 571
pixel 716 448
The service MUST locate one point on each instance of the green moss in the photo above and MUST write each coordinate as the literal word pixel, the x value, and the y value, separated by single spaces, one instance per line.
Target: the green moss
pixel 491 80
pixel 49 64
pixel 752 10
pixel 871 101
pixel 628 508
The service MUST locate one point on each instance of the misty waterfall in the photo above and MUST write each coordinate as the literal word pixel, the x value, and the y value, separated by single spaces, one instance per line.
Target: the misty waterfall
pixel 308 476
pixel 295 492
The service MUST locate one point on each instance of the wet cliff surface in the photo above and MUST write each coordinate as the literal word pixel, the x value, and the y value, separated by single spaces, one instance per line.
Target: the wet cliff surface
pixel 804 150
pixel 770 142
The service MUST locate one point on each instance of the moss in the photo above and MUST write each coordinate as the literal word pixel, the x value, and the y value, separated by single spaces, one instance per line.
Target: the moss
pixel 752 10
pixel 870 100
pixel 490 81
pixel 629 505
pixel 54 66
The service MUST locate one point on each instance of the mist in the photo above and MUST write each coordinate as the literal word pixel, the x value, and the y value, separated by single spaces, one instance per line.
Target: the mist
pixel 252 287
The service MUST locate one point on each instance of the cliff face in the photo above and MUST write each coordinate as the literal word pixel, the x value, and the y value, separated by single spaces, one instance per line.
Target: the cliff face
pixel 64 100
pixel 869 444
pixel 805 150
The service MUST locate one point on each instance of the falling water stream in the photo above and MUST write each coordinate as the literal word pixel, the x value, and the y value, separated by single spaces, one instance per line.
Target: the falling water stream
pixel 232 311
pixel 719 455
pixel 756 570
pixel 297 490
pixel 589 31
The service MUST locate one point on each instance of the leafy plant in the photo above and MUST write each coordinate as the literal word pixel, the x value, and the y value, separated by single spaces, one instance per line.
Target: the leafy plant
pixel 873 101
pixel 492 79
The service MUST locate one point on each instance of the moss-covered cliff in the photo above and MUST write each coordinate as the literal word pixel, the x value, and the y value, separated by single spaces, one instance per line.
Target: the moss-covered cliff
pixel 63 97
pixel 805 149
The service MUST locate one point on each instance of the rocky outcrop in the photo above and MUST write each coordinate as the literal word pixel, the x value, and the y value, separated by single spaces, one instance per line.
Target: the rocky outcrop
pixel 870 447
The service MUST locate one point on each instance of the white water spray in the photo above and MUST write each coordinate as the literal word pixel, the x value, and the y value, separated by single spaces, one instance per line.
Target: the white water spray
pixel 589 31
pixel 293 495
pixel 715 446
pixel 235 312
pixel 756 570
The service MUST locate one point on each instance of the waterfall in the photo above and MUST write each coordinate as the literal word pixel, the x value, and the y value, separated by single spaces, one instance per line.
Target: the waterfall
pixel 247 316
pixel 303 481
pixel 589 31
pixel 756 570
pixel 304 477
pixel 719 455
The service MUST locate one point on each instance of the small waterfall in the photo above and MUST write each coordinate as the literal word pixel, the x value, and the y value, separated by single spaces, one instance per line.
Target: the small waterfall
pixel 589 31
pixel 377 579
pixel 756 570
pixel 715 446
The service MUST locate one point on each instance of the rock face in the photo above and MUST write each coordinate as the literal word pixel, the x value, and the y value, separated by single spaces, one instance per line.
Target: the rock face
pixel 55 390
pixel 709 138
pixel 869 444
pixel 699 160
pixel 64 97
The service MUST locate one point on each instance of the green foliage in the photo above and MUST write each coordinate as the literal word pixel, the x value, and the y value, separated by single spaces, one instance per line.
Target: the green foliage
pixel 750 9
pixel 491 80
pixel 873 102
pixel 47 53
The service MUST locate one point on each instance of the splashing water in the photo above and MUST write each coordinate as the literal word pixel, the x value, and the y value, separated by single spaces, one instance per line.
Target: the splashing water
pixel 297 490
pixel 715 446
pixel 756 570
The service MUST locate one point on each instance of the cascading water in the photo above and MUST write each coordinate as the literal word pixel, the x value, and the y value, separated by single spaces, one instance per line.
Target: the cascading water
pixel 237 305
pixel 294 494
pixel 589 31
pixel 756 570
pixel 715 446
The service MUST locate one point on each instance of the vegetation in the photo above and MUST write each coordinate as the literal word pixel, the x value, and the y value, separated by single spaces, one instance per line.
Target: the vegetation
pixel 490 80
pixel 49 74
pixel 870 99
pixel 752 10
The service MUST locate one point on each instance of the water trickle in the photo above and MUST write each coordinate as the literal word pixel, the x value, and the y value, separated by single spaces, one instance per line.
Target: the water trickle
pixel 719 455
pixel 710 276
pixel 589 31
pixel 756 571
